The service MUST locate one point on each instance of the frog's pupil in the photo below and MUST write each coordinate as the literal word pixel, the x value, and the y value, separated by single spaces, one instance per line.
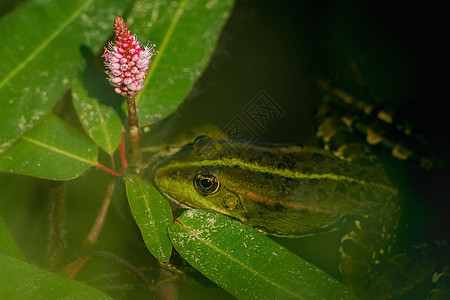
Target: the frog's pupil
pixel 206 183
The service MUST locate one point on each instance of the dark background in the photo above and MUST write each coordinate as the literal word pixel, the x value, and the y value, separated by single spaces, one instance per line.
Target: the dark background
pixel 399 52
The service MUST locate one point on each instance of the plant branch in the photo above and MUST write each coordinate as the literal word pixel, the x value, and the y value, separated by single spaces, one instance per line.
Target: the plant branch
pixel 98 224
pixel 71 269
pixel 113 163
pixel 168 289
pixel 130 268
pixel 56 226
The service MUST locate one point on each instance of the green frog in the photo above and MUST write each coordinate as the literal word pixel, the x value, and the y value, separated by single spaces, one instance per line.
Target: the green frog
pixel 294 191
pixel 289 191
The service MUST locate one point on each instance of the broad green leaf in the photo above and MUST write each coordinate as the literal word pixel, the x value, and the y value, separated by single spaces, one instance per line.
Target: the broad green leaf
pixel 246 263
pixel 152 214
pixel 53 150
pixel 185 32
pixel 40 52
pixel 20 280
pixel 7 244
pixel 93 97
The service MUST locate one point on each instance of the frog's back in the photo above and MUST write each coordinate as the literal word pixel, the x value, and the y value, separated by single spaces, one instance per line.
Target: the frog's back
pixel 294 191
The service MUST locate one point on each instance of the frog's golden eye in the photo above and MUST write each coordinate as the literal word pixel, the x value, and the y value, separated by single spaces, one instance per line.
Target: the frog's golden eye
pixel 206 184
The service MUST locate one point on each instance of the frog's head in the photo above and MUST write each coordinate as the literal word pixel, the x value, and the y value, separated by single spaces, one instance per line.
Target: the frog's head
pixel 195 177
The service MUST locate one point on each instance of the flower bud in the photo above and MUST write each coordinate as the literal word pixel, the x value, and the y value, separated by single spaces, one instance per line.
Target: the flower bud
pixel 127 61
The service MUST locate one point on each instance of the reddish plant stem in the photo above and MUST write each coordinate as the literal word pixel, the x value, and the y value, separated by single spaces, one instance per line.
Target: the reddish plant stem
pixel 133 127
pixel 56 226
pixel 98 224
pixel 108 170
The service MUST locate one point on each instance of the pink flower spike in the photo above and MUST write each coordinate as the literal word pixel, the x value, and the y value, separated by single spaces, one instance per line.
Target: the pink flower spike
pixel 127 61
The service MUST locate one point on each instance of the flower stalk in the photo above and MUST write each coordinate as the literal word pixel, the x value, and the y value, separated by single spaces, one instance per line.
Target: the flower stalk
pixel 127 62
pixel 133 130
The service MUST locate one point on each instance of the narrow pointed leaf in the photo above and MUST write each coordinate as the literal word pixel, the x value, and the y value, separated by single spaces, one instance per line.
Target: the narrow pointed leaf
pixel 93 98
pixel 41 48
pixel 153 215
pixel 53 150
pixel 185 33
pixel 246 263
pixel 7 244
pixel 20 280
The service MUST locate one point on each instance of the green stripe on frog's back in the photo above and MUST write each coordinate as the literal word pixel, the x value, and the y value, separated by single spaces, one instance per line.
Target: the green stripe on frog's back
pixel 254 167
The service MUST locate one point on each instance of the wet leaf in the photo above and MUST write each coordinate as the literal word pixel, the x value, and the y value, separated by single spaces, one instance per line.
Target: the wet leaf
pixel 246 263
pixel 185 33
pixel 20 280
pixel 53 150
pixel 40 53
pixel 93 98
pixel 153 215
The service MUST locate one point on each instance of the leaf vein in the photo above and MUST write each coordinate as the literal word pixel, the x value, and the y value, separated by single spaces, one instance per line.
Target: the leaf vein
pixel 54 149
pixel 255 272
pixel 105 129
pixel 156 237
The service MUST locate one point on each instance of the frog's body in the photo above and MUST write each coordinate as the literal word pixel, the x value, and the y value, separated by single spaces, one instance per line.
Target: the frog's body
pixel 289 191
pixel 296 191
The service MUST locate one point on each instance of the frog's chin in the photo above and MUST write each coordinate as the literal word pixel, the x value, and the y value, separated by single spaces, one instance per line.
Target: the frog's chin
pixel 177 202
pixel 299 235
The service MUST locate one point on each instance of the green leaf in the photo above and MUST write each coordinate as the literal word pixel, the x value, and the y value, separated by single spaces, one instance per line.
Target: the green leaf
pixel 246 263
pixel 152 214
pixel 20 280
pixel 39 54
pixel 92 98
pixel 185 33
pixel 53 150
pixel 7 244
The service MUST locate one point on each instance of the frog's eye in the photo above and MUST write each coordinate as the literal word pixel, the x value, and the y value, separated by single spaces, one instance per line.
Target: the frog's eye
pixel 206 184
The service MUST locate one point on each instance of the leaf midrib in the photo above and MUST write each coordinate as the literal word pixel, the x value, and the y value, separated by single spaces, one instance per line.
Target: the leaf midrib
pixel 59 151
pixel 104 128
pixel 167 36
